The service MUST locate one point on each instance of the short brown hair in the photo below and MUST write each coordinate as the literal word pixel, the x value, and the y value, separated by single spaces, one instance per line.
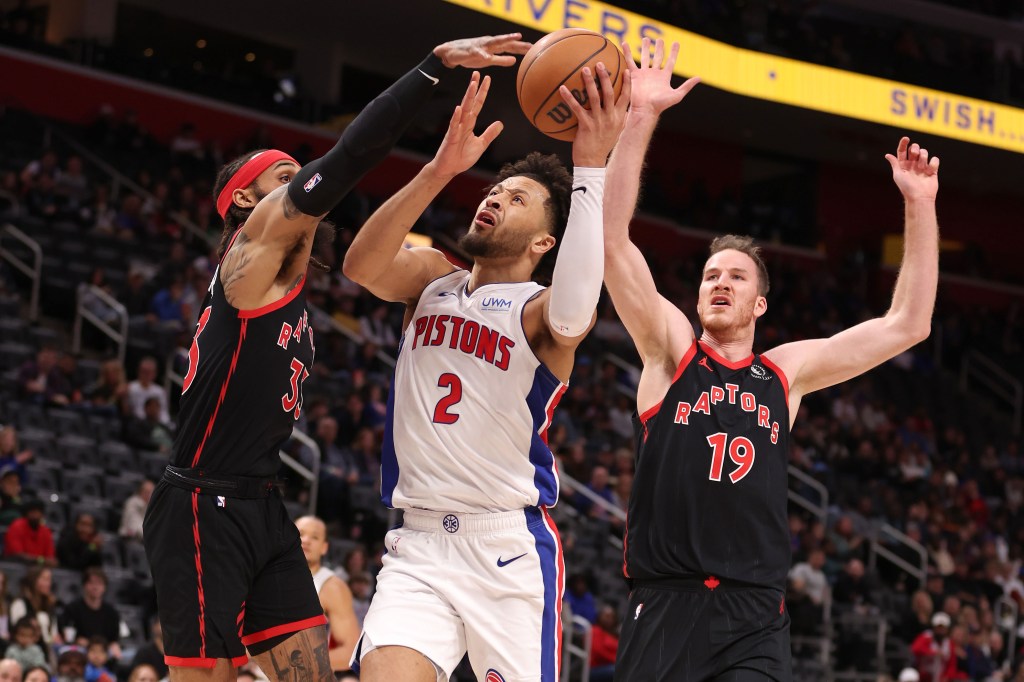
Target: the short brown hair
pixel 744 245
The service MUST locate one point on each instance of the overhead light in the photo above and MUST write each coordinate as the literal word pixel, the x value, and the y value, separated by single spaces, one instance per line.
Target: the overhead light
pixel 250 56
pixel 148 52
pixel 201 43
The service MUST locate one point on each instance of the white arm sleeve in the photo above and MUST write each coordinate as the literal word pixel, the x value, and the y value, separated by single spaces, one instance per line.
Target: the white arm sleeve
pixel 579 268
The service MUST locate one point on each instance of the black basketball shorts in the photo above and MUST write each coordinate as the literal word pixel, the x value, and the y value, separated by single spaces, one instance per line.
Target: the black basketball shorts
pixel 692 633
pixel 229 574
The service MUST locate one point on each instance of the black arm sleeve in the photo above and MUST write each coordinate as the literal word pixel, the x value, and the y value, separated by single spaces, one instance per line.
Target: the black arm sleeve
pixel 321 184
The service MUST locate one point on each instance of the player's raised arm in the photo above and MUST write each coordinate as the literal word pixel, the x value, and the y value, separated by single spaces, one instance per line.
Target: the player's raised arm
pixel 818 363
pixel 321 184
pixel 571 303
pixel 376 258
pixel 647 316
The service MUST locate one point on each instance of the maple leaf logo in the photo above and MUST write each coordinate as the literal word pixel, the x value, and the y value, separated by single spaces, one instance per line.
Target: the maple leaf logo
pixel 712 582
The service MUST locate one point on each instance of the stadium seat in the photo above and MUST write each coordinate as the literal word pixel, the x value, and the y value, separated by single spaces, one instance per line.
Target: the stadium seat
pixel 152 464
pixel 85 483
pixel 67 422
pixel 116 457
pixel 56 515
pixel 41 443
pixel 104 428
pixel 28 416
pixel 67 584
pixel 43 477
pixel 120 488
pixel 135 560
pixel 75 450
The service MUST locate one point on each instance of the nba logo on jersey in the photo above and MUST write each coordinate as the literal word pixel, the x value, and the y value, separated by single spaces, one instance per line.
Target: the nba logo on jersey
pixel 222 501
pixel 493 676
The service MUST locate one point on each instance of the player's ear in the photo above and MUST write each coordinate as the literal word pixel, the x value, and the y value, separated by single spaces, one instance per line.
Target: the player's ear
pixel 544 243
pixel 760 306
pixel 245 198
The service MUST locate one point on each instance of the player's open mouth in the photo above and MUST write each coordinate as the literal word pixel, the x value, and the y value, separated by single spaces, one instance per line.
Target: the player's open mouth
pixel 486 219
pixel 720 301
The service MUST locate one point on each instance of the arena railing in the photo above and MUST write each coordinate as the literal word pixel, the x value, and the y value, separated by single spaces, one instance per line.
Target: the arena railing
pixel 819 509
pixel 82 312
pixel 977 367
pixel 879 548
pixel 572 649
pixel 34 271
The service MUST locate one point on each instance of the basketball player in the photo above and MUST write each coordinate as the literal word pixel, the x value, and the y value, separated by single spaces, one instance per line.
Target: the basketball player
pixel 226 560
pixel 335 597
pixel 486 354
pixel 707 542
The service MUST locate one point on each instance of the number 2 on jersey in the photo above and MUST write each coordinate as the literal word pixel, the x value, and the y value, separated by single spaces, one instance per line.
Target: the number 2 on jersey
pixel 741 452
pixel 454 386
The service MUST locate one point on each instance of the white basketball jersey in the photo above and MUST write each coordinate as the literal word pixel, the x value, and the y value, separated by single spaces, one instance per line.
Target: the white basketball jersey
pixel 322 575
pixel 471 403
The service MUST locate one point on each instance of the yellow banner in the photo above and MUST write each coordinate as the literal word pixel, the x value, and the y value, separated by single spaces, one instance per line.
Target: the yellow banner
pixel 778 79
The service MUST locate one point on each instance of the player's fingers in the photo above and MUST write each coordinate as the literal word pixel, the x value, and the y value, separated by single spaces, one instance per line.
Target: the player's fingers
pixel 590 84
pixel 922 159
pixel 630 59
pixel 659 53
pixel 622 103
pixel 453 123
pixel 481 96
pixel 492 132
pixel 914 149
pixel 574 105
pixel 673 54
pixel 901 148
pixel 685 88
pixel 645 49
pixel 893 161
pixel 467 97
pixel 934 164
pixel 503 60
pixel 514 46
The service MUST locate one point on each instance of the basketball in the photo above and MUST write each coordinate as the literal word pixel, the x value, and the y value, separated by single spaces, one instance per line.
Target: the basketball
pixel 558 59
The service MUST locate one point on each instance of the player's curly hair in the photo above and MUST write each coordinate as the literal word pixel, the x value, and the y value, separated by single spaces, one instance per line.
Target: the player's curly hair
pixel 745 245
pixel 549 171
pixel 237 215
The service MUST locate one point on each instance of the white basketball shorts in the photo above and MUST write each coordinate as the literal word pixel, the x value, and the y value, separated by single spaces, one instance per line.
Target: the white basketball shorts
pixel 487 584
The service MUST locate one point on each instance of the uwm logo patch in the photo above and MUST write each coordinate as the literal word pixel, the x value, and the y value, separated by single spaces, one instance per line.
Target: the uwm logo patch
pixel 496 304
pixel 493 676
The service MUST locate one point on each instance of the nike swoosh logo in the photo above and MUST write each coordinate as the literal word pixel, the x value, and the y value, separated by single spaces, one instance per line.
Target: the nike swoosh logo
pixel 581 188
pixel 430 78
pixel 447 293
pixel 503 564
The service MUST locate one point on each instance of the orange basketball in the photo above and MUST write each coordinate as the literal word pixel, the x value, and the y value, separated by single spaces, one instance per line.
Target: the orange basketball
pixel 558 59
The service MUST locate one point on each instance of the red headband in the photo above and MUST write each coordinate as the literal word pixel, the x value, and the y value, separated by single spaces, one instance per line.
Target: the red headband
pixel 248 173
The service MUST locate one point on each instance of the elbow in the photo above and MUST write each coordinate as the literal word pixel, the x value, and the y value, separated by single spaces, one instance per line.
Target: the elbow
pixel 920 334
pixel 351 270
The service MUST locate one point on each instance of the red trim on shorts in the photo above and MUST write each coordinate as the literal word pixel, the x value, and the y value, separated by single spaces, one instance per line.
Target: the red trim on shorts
pixel 202 662
pixel 782 375
pixel 683 362
pixel 223 392
pixel 276 305
pixel 199 576
pixel 560 579
pixel 285 629
pixel 722 361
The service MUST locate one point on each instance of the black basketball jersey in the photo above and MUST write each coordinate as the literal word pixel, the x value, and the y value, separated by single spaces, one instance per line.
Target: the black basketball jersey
pixel 243 389
pixel 711 487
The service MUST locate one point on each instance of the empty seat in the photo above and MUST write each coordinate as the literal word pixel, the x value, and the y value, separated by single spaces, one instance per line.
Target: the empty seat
pixel 116 457
pixel 104 428
pixel 41 443
pixel 135 560
pixel 152 464
pixel 120 488
pixel 67 584
pixel 82 484
pixel 42 477
pixel 28 416
pixel 75 450
pixel 67 422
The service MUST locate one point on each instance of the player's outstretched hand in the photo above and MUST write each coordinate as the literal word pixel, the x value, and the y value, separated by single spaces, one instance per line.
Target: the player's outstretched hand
pixel 461 148
pixel 652 79
pixel 598 127
pixel 915 174
pixel 483 51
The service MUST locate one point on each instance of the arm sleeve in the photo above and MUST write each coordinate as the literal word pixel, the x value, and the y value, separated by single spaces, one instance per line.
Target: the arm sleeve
pixel 579 268
pixel 321 184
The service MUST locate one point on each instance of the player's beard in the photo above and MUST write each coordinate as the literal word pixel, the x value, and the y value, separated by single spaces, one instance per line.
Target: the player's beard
pixel 494 245
pixel 725 326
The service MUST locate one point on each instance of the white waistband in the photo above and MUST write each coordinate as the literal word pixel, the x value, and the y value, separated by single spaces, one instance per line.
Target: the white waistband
pixel 463 523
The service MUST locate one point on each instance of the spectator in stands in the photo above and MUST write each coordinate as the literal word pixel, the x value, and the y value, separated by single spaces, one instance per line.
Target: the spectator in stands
pixel 846 543
pixel 42 200
pixel 67 370
pixel 39 380
pixel 579 597
pixel 147 673
pixel 47 163
pixel 10 671
pixel 80 546
pixel 151 654
pixel 604 645
pixel 810 572
pixel 852 587
pixel 28 538
pixel 149 433
pixel 338 471
pixel 39 673
pixel 73 186
pixel 144 388
pixel 96 661
pixel 365 453
pixel 360 584
pixel 135 511
pixel 37 600
pixel 355 561
pixel 71 665
pixel 12 456
pixel 90 615
pixel 377 329
pixel 919 618
pixel 100 215
pixel 24 649
pixel 129 224
pixel 932 649
pixel 5 610
pixel 109 392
